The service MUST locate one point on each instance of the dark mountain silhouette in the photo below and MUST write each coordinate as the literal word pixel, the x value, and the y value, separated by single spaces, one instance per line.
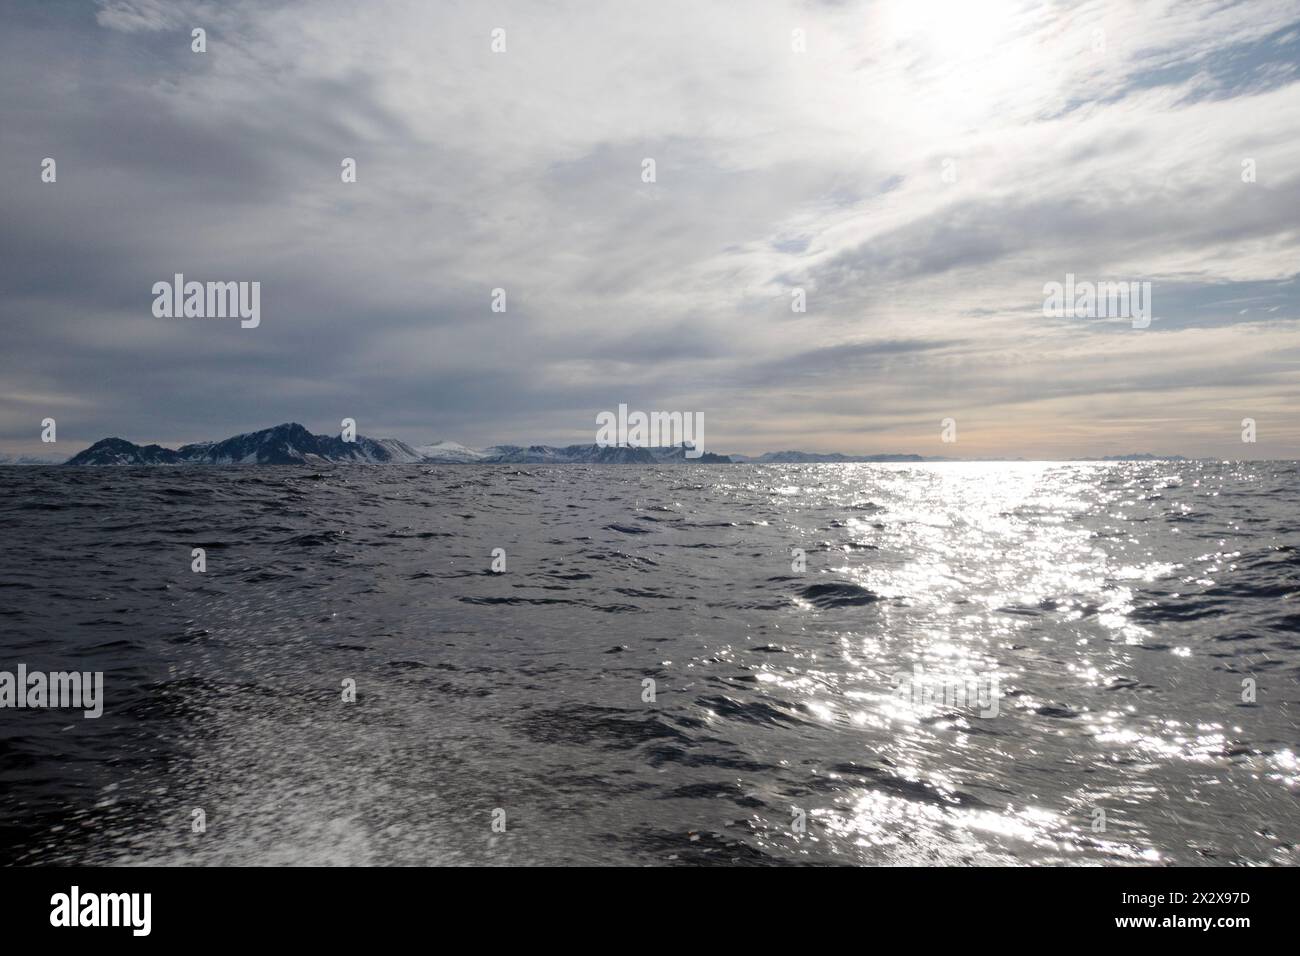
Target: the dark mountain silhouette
pixel 292 444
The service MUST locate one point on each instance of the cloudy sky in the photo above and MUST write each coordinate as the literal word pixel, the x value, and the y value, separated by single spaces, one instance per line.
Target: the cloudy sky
pixel 920 168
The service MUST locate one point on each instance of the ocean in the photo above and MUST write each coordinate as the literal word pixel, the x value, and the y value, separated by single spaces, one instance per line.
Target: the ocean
pixel 940 663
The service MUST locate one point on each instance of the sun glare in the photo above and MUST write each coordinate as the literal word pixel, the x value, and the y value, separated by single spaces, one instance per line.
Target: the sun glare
pixel 979 54
pixel 953 29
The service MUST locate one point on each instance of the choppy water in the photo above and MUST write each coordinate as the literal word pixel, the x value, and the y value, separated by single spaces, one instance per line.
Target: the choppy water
pixel 1118 606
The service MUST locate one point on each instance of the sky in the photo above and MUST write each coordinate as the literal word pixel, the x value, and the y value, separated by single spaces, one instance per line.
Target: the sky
pixel 920 169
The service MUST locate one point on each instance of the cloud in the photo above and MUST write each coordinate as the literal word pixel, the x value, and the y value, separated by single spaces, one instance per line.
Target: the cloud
pixel 921 170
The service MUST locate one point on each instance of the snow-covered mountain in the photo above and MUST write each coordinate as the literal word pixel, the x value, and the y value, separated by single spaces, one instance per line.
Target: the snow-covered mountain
pixel 288 444
pixel 450 452
pixel 569 454
pixel 119 451
pixel 292 444
pixel 676 454
pixel 594 454
pixel 30 459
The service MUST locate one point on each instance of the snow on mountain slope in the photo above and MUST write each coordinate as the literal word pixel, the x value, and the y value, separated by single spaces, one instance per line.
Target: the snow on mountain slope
pixel 449 451
pixel 292 444
pixel 31 459
pixel 288 444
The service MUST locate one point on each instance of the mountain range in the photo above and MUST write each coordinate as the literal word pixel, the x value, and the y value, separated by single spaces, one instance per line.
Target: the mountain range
pixel 292 444
pixel 29 460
